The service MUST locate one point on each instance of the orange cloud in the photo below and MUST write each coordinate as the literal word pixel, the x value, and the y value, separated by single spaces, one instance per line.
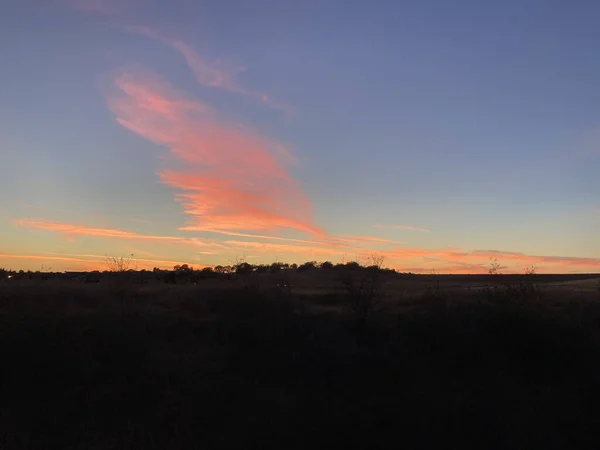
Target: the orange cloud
pixel 233 179
pixel 402 227
pixel 81 230
pixel 592 263
pixel 477 261
pixel 140 262
pixel 216 74
pixel 445 260
pixel 91 262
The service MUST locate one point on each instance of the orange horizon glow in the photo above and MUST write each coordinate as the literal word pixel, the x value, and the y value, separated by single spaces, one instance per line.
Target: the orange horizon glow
pixel 90 263
pixel 403 259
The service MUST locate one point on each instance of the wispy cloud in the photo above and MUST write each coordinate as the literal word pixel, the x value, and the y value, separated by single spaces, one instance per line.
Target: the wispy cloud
pixel 368 239
pixel 329 242
pixel 86 262
pixel 443 260
pixel 71 230
pixel 402 227
pixel 233 179
pixel 216 74
pixel 477 261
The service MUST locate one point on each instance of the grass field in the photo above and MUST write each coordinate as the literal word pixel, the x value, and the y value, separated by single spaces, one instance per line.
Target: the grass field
pixel 438 362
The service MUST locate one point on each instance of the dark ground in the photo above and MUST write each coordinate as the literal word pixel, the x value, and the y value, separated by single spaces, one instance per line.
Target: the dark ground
pixel 119 366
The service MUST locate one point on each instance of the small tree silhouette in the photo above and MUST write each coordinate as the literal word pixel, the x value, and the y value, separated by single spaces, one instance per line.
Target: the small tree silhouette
pixel 121 264
pixel 494 268
pixel 363 289
pixel 121 281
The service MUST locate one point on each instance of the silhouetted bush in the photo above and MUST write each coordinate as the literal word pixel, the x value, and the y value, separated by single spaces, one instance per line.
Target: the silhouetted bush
pixel 309 265
pixel 244 269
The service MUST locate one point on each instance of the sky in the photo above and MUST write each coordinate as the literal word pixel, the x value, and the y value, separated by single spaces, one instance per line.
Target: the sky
pixel 436 134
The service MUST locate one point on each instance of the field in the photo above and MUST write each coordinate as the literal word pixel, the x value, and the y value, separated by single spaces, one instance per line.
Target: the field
pixel 301 361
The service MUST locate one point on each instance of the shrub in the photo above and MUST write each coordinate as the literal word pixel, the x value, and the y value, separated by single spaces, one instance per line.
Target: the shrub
pixel 362 286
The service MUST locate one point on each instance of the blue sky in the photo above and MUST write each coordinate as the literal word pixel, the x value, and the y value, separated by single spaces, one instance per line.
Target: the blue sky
pixel 340 123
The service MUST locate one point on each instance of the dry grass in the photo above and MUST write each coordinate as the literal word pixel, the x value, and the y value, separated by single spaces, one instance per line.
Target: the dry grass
pixel 222 365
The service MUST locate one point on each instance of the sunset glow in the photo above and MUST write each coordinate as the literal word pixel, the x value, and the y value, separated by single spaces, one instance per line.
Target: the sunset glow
pixel 192 144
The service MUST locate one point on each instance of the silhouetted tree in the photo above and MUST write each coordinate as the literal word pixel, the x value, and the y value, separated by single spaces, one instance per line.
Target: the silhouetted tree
pixel 494 267
pixel 307 266
pixel 352 265
pixel 275 267
pixel 183 269
pixel 244 269
pixel 261 268
pixel 121 264
pixel 328 265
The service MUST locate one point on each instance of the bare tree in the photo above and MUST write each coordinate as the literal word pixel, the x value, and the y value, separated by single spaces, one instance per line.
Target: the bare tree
pixel 121 264
pixel 375 260
pixel 121 283
pixel 494 268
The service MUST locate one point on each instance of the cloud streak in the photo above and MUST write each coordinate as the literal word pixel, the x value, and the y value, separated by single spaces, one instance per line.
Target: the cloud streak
pixel 91 262
pixel 71 230
pixel 444 260
pixel 477 261
pixel 215 74
pixel 331 242
pixel 368 239
pixel 234 179
pixel 402 227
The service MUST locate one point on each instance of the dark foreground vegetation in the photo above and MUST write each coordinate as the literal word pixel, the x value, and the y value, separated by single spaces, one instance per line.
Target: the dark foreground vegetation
pixel 360 360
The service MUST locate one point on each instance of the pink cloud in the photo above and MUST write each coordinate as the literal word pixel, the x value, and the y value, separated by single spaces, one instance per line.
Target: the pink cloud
pixel 402 227
pixel 477 261
pixel 216 74
pixel 233 179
